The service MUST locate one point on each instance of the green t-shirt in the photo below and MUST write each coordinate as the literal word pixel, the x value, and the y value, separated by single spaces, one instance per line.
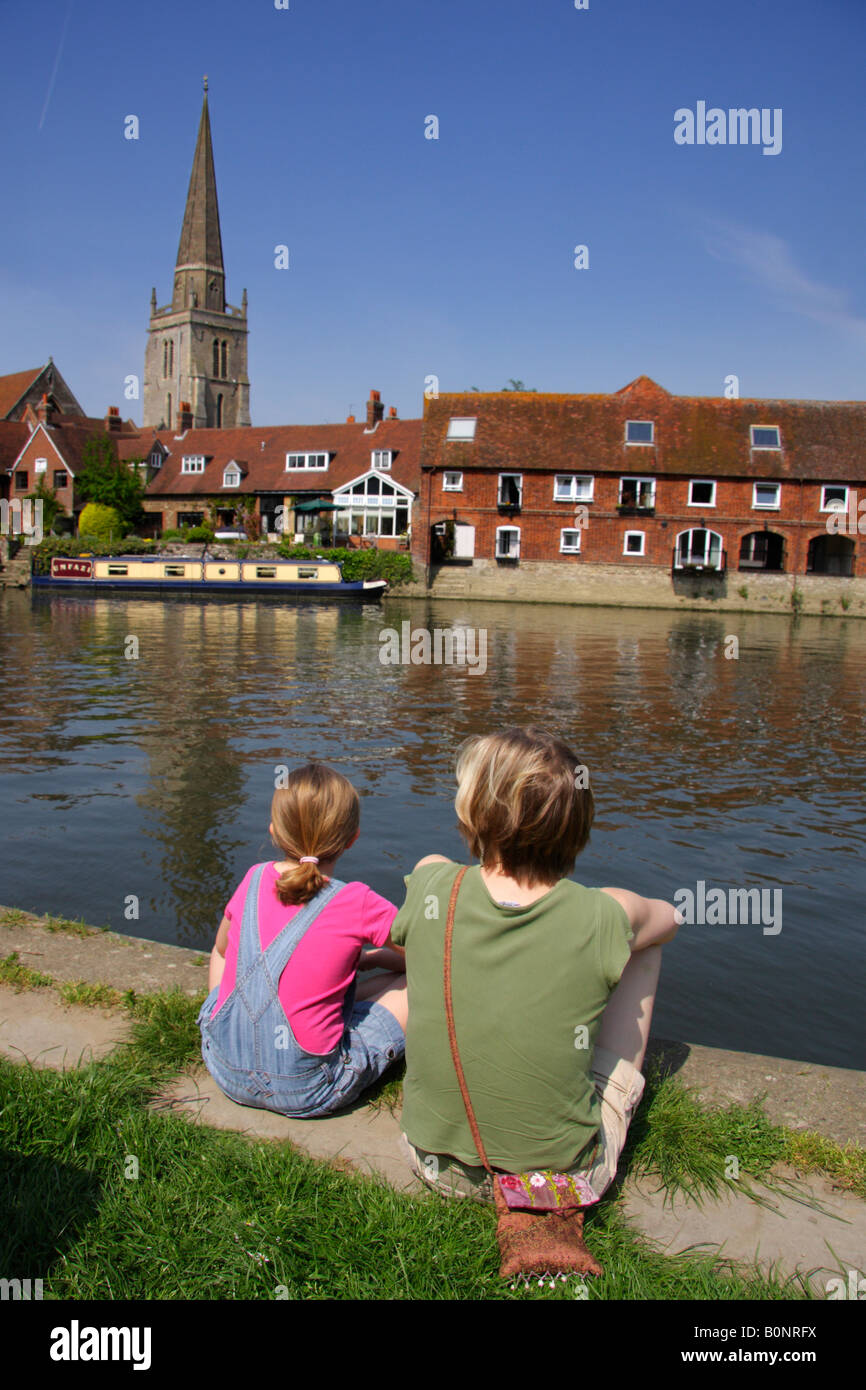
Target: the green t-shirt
pixel 529 985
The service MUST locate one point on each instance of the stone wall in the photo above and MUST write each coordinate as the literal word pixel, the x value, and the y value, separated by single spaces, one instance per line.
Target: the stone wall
pixel 623 586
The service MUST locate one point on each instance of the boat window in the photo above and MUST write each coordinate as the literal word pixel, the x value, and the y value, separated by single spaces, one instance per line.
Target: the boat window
pixel 118 569
pixel 308 573
pixel 266 572
pixel 172 571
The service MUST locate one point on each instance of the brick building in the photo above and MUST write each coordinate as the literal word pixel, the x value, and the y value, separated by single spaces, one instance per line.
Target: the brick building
pixel 641 478
pixel 352 481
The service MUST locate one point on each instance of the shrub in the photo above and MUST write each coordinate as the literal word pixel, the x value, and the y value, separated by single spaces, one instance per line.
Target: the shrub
pixel 392 565
pixel 76 545
pixel 199 533
pixel 100 523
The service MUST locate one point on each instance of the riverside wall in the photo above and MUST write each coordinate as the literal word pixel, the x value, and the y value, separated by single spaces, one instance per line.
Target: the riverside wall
pixel 627 586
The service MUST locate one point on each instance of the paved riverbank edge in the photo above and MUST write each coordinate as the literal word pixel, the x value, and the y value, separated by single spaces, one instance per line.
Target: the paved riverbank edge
pixel 797 1094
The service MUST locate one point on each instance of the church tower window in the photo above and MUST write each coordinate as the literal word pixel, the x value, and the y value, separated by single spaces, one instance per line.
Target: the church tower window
pixel 224 352
pixel 216 356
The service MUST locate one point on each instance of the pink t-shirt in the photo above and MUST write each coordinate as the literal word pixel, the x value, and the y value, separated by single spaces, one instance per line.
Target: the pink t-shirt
pixel 314 983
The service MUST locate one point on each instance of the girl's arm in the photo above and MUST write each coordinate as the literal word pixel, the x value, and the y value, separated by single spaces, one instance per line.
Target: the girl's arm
pixel 218 954
pixel 653 921
pixel 387 957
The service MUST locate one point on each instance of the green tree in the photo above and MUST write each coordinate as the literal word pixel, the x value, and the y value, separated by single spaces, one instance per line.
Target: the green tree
pixel 101 523
pixel 50 505
pixel 518 386
pixel 105 479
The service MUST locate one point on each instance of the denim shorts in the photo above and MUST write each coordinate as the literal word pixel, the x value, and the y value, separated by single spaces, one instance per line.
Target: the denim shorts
pixel 371 1043
pixel 619 1087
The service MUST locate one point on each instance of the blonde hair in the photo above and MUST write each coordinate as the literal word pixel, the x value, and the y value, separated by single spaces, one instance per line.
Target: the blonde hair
pixel 522 804
pixel 316 813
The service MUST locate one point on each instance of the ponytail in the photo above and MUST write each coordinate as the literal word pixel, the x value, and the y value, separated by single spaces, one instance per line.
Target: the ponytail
pixel 314 817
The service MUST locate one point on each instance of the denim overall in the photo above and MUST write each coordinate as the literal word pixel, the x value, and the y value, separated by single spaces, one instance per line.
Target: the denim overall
pixel 250 1049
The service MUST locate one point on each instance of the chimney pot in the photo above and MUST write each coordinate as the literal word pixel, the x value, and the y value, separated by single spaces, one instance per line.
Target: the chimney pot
pixel 375 409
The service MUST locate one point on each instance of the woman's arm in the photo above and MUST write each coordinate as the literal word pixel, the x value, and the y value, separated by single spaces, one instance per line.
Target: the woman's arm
pixel 387 957
pixel 218 954
pixel 653 921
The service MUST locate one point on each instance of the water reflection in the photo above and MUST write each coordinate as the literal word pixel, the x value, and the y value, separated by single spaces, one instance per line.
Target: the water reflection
pixel 154 776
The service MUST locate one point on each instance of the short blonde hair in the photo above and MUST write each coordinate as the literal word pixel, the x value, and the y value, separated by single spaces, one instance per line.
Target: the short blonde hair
pixel 316 813
pixel 523 802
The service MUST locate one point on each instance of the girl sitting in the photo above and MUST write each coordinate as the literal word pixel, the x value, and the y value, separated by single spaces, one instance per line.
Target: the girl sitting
pixel 284 1027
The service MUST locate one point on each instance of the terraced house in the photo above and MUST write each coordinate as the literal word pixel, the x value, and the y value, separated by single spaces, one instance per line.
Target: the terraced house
pixel 689 490
pixel 350 484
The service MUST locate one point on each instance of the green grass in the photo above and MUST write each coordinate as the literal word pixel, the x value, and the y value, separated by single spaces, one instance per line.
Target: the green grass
pixel 14 917
pixel 212 1215
pixel 19 976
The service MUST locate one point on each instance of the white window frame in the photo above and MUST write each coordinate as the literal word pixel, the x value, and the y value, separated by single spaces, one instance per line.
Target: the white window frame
pixel 155 460
pixel 625 539
pixel 462 427
pixel 641 443
pixel 565 549
pixel 232 471
pixel 704 481
pixel 452 487
pixel 575 494
pixel 499 501
pixel 766 506
pixel 834 506
pixel 507 555
pixel 40 465
pixel 708 547
pixel 632 478
pixel 192 463
pixel 371 508
pixel 762 447
pixel 384 457
pixel 295 467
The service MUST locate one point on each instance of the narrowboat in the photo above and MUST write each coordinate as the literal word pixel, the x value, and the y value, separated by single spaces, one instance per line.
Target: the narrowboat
pixel 196 576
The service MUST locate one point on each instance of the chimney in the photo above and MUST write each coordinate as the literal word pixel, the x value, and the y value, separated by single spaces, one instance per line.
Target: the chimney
pixel 184 417
pixel 113 421
pixel 392 413
pixel 350 419
pixel 45 411
pixel 375 410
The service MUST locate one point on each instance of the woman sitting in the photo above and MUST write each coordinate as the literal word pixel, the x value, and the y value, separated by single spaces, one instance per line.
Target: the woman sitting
pixel 553 983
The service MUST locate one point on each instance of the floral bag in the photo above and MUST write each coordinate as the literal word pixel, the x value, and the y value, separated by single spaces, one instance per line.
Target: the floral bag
pixel 540 1214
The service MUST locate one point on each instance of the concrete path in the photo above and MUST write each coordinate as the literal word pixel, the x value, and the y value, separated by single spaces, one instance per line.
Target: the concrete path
pixel 818 1230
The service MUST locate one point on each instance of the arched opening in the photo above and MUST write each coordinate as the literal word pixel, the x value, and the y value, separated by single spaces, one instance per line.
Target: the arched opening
pixel 830 555
pixel 762 550
pixel 699 549
pixel 224 360
pixel 216 356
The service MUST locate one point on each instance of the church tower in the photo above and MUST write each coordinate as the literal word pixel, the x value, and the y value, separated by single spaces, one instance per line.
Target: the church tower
pixel 195 365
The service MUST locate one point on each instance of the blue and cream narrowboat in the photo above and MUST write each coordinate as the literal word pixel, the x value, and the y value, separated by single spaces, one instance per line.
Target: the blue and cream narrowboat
pixel 195 576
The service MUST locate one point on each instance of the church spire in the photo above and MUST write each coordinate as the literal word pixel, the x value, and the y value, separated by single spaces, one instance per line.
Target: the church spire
pixel 200 275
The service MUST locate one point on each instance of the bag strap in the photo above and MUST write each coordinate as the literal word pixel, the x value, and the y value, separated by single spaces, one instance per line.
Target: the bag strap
pixel 449 1015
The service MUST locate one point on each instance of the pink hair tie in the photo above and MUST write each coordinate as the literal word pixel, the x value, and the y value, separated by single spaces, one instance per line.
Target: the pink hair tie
pixel 308 859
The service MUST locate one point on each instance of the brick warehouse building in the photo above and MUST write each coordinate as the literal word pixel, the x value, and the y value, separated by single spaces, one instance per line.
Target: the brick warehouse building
pixel 640 480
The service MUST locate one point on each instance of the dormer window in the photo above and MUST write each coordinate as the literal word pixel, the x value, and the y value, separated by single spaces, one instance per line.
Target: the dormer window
pixel 461 428
pixel 765 437
pixel 231 475
pixel 317 461
pixel 381 458
pixel 155 459
pixel 639 432
pixel 192 463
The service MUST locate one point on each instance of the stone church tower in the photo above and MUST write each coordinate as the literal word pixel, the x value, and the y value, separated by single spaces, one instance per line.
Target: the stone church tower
pixel 195 366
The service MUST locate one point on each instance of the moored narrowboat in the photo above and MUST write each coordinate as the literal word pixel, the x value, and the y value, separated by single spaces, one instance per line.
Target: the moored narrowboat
pixel 190 575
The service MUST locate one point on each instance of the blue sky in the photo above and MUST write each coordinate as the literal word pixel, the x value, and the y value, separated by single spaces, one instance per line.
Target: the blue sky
pixel 454 256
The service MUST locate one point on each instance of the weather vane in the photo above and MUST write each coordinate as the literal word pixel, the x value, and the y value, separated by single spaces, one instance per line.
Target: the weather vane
pixel 205 81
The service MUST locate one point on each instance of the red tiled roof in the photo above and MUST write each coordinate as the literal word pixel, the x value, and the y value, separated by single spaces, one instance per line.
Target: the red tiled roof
pixel 263 453
pixel 12 388
pixel 69 434
pixel 14 434
pixel 695 435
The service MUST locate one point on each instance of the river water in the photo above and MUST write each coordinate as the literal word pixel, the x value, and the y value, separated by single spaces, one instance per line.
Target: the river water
pixel 150 777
